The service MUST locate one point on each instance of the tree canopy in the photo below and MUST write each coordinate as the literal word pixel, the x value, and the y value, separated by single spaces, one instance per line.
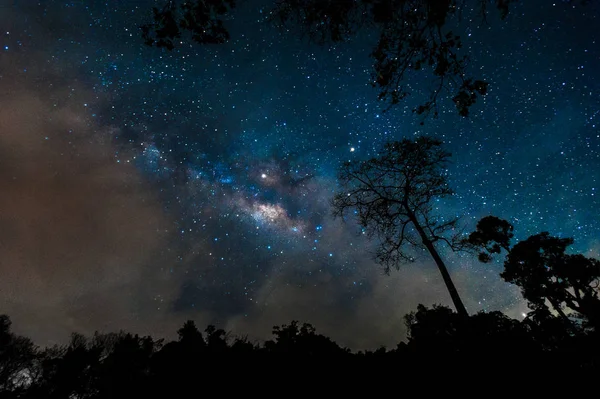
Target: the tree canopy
pixel 550 279
pixel 412 35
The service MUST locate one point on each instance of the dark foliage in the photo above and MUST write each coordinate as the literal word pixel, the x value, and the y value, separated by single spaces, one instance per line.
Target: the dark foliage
pixel 492 234
pixel 294 341
pixel 412 36
pixel 546 274
pixel 124 365
pixel 393 198
pixel 16 355
pixel 483 335
pixel 550 279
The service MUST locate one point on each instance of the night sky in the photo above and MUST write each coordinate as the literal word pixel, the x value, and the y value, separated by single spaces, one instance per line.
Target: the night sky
pixel 140 187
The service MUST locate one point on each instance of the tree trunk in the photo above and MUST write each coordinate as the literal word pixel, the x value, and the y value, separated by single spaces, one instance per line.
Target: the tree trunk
pixel 458 304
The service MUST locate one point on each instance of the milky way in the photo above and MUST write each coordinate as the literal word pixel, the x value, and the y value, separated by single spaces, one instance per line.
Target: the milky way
pixel 229 155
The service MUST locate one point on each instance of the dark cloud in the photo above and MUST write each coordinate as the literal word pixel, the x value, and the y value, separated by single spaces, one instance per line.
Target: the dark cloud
pixel 81 235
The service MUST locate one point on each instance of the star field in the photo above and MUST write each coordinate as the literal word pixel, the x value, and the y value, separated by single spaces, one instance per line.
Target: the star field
pixel 239 145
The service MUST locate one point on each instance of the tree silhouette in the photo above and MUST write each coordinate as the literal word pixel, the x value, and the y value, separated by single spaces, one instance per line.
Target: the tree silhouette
pixel 70 371
pixel 491 235
pixel 17 355
pixel 190 337
pixel 432 328
pixel 216 339
pixel 393 197
pixel 124 368
pixel 293 340
pixel 475 339
pixel 543 271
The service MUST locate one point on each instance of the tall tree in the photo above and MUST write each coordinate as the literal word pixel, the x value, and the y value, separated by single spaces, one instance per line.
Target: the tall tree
pixel 393 196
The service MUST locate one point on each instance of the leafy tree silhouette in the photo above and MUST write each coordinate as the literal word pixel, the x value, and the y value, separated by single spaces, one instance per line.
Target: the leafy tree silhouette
pixel 17 356
pixel 543 271
pixel 301 340
pixel 124 368
pixel 540 267
pixel 216 339
pixel 432 329
pixel 491 235
pixel 457 341
pixel 243 346
pixel 70 371
pixel 191 338
pixel 393 198
pixel 178 363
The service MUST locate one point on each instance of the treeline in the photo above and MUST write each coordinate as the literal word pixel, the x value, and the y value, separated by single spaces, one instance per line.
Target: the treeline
pixel 123 365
